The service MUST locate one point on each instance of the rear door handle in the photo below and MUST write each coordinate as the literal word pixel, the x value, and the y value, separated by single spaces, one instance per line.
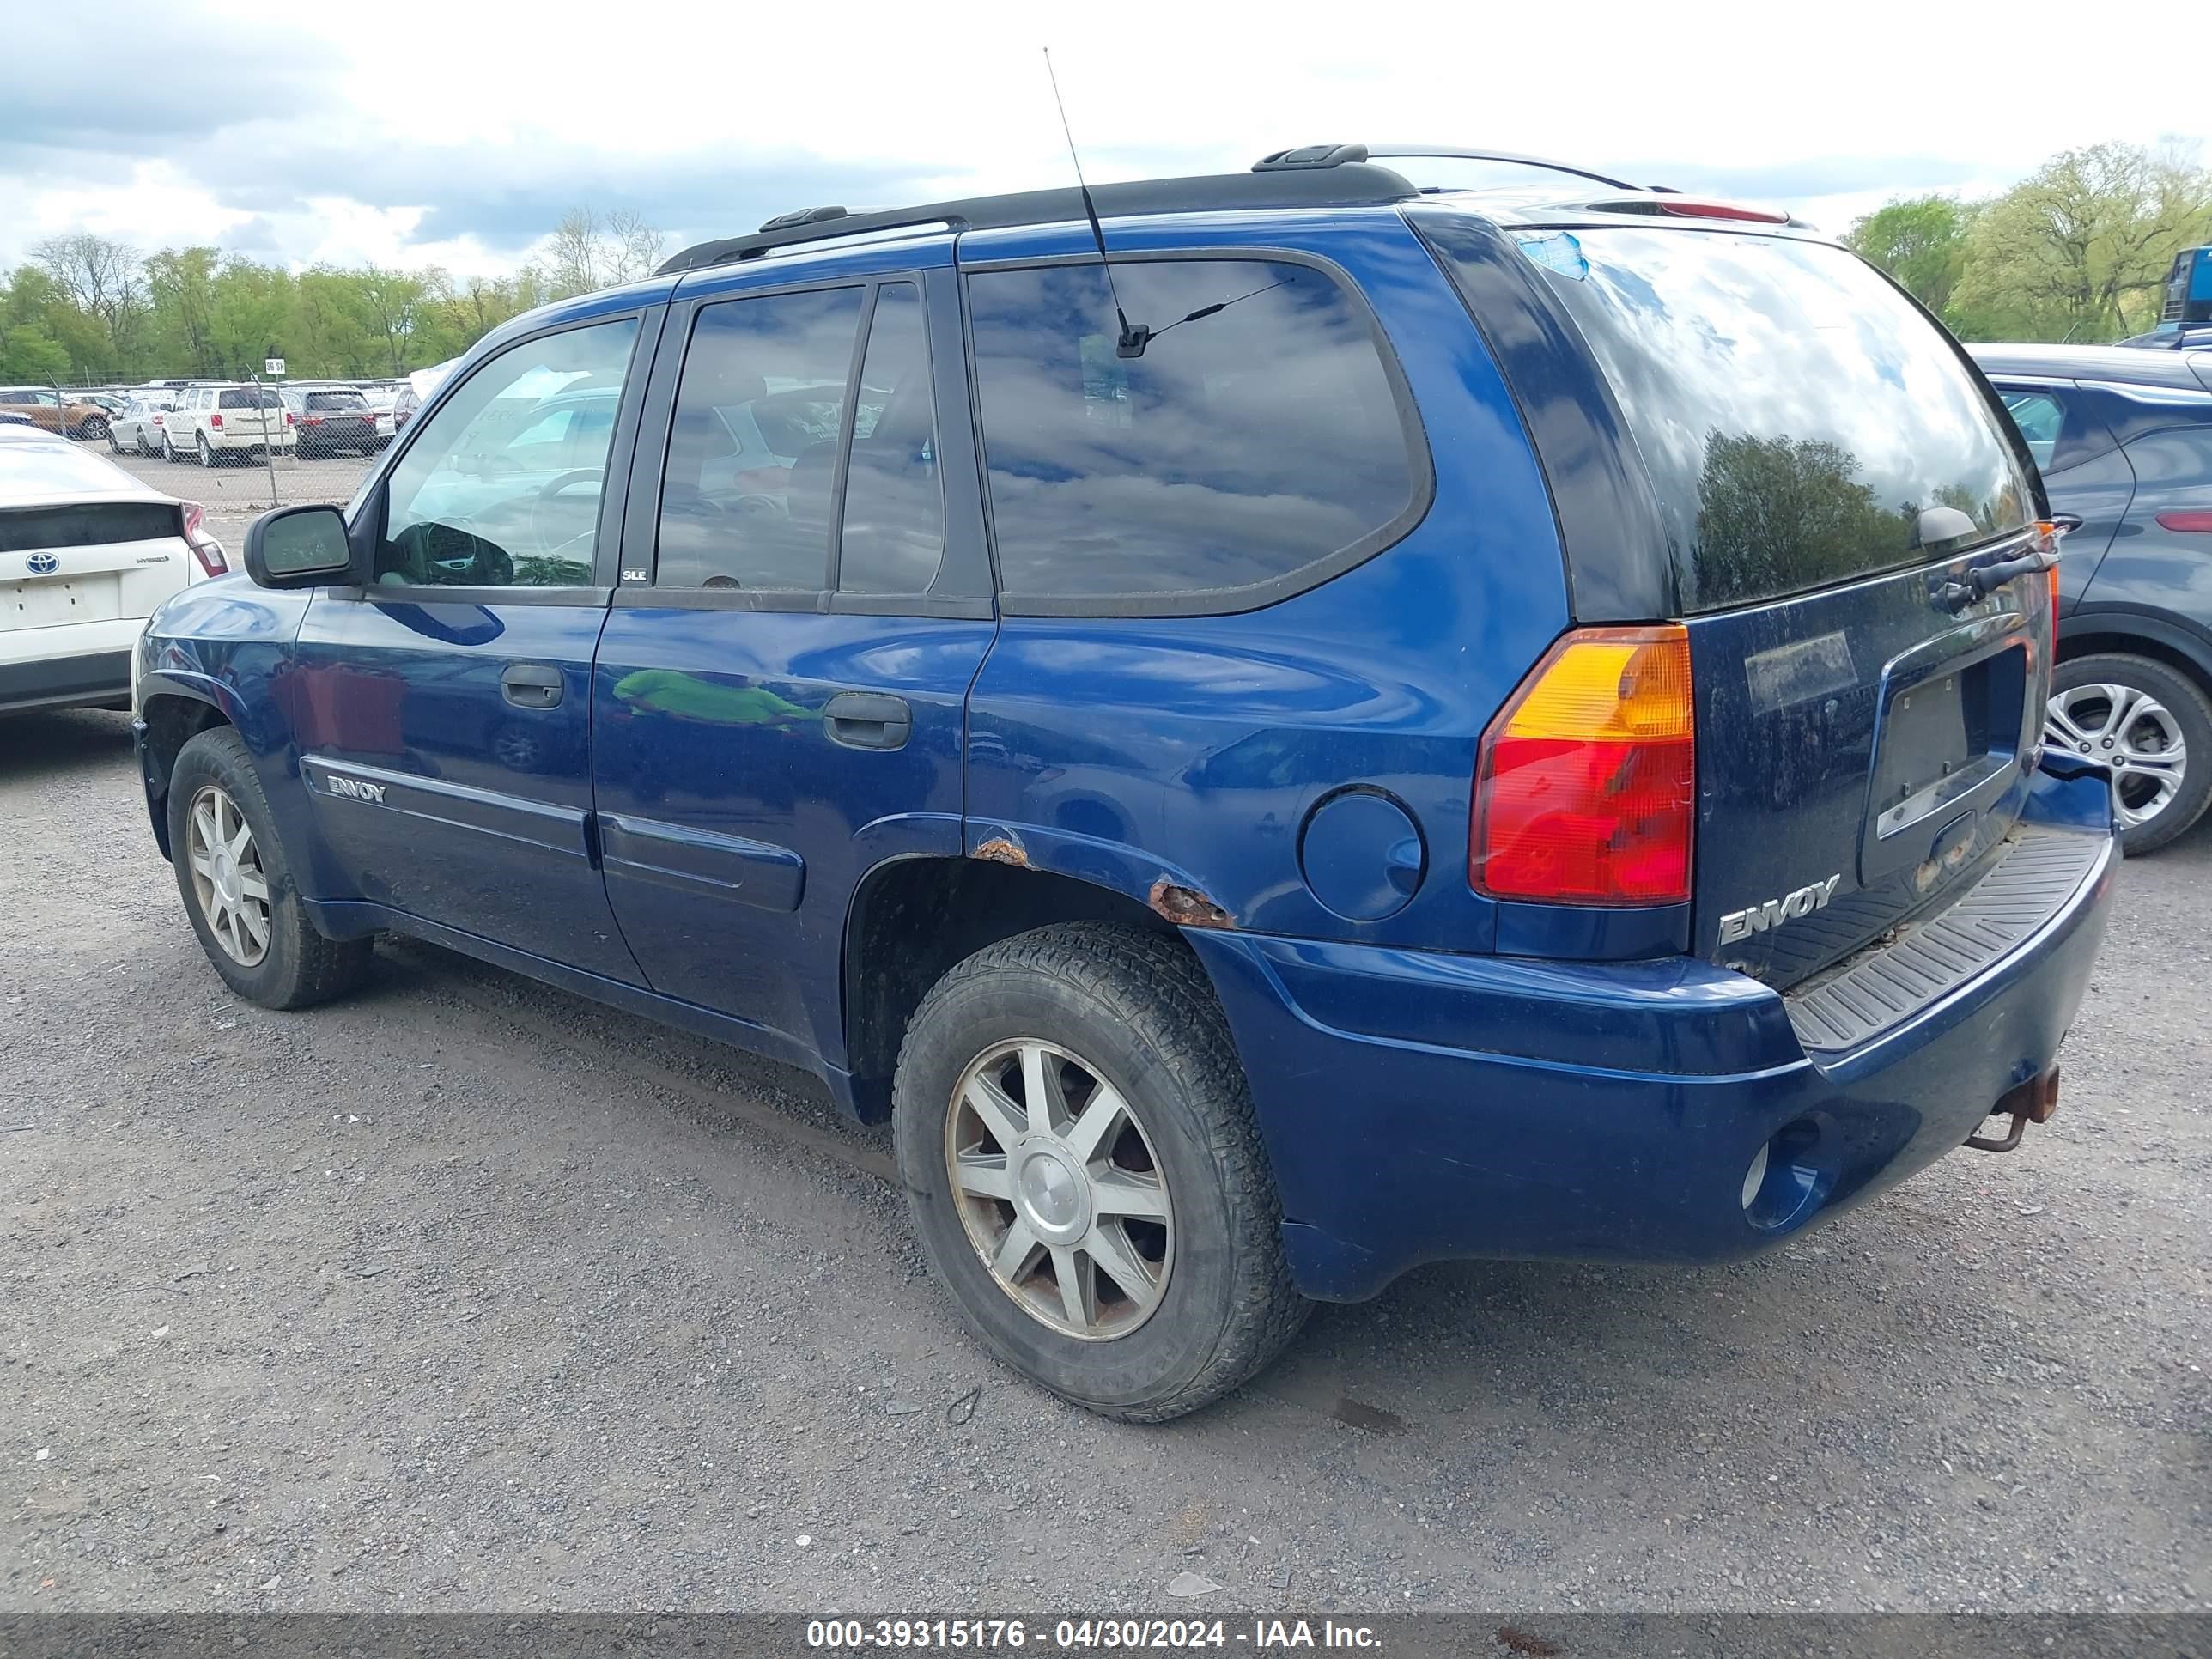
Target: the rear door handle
pixel 869 719
pixel 531 685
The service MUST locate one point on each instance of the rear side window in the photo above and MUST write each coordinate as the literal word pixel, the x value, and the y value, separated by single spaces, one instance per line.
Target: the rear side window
pixel 751 478
pixel 1257 444
pixel 1802 421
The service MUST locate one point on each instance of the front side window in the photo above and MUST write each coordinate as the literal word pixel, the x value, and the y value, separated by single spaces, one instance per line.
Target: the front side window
pixel 501 487
pixel 751 477
pixel 1257 436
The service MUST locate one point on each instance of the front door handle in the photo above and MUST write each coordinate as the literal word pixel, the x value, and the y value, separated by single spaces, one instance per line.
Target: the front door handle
pixel 531 685
pixel 869 719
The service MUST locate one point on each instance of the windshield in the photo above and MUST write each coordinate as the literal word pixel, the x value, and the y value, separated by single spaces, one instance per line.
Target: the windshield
pixel 1802 421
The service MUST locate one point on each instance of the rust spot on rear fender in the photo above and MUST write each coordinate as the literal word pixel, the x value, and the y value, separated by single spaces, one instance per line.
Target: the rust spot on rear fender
pixel 1003 849
pixel 1187 907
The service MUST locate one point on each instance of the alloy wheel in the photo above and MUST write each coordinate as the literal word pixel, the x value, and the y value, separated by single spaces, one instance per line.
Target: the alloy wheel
pixel 207 454
pixel 1056 1182
pixel 2130 731
pixel 228 879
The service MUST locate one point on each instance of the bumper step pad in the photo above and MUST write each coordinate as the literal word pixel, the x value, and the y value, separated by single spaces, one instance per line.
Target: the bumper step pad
pixel 1883 985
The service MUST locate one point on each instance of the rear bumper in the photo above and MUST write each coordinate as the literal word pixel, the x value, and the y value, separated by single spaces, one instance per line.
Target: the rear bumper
pixel 1418 1108
pixel 82 663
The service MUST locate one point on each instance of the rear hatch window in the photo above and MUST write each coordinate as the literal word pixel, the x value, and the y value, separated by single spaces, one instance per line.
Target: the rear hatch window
pixel 1802 421
pixel 325 400
pixel 248 400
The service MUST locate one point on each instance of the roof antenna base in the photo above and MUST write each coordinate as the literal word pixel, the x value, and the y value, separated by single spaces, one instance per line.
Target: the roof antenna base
pixel 1135 336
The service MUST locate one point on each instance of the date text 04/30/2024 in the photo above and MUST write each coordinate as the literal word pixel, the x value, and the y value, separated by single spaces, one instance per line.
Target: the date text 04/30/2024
pixel 1088 1634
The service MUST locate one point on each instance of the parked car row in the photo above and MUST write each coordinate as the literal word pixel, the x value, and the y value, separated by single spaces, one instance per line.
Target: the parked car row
pixel 215 423
pixel 212 420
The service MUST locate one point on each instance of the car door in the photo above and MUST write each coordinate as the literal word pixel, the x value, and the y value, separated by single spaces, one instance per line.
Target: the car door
pixel 805 600
pixel 444 711
pixel 2085 472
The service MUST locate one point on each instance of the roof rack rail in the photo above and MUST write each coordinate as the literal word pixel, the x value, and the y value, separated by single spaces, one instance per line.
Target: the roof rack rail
pixel 1421 152
pixel 1343 184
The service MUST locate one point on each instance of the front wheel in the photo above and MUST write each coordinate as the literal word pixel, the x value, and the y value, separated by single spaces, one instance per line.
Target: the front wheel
pixel 206 450
pixel 2152 725
pixel 237 882
pixel 1081 1163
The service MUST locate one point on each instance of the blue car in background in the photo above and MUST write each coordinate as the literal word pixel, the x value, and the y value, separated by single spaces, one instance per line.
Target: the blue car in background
pixel 1382 725
pixel 2124 440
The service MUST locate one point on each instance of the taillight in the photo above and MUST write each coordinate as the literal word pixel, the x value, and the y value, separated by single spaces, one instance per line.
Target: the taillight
pixel 287 417
pixel 214 421
pixel 1689 208
pixel 205 548
pixel 1585 784
pixel 2188 521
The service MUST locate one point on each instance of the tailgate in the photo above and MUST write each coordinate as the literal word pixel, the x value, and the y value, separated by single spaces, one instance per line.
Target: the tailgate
pixel 1862 751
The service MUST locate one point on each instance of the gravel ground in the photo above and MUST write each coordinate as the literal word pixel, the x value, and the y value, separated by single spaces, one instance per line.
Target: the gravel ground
pixel 232 494
pixel 466 1294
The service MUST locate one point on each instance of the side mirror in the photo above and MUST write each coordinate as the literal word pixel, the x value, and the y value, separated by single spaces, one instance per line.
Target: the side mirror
pixel 303 546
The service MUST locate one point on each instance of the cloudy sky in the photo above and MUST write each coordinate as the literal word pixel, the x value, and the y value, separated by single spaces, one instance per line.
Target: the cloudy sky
pixel 457 132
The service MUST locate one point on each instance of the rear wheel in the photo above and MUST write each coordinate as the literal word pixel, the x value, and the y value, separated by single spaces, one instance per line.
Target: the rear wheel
pixel 169 449
pixel 237 882
pixel 1078 1146
pixel 2152 725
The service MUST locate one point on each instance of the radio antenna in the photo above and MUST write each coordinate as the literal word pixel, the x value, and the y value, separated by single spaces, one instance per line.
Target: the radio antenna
pixel 1133 340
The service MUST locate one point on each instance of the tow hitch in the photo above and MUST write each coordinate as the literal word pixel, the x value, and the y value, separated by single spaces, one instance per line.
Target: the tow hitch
pixel 2033 1102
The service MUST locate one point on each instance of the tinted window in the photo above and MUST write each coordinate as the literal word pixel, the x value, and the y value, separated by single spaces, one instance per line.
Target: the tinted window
pixel 336 400
pixel 1244 444
pixel 248 398
pixel 893 535
pixel 2038 416
pixel 752 449
pixel 482 497
pixel 1802 423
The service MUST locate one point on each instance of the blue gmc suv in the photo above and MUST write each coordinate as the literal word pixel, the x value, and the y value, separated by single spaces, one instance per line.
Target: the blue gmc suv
pixel 1301 727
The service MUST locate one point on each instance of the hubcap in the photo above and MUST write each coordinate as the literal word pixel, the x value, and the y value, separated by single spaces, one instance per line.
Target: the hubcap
pixel 1056 1185
pixel 228 879
pixel 2131 731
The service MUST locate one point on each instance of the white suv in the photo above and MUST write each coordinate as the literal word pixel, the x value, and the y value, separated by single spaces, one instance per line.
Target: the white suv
pixel 87 551
pixel 213 423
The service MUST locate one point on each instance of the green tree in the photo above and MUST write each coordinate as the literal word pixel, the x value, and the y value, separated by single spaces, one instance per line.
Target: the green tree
pixel 2078 250
pixel 181 289
pixel 1921 241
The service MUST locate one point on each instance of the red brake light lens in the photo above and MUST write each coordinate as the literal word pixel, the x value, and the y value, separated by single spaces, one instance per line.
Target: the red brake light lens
pixel 1585 788
pixel 1690 208
pixel 214 420
pixel 205 548
pixel 2188 521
